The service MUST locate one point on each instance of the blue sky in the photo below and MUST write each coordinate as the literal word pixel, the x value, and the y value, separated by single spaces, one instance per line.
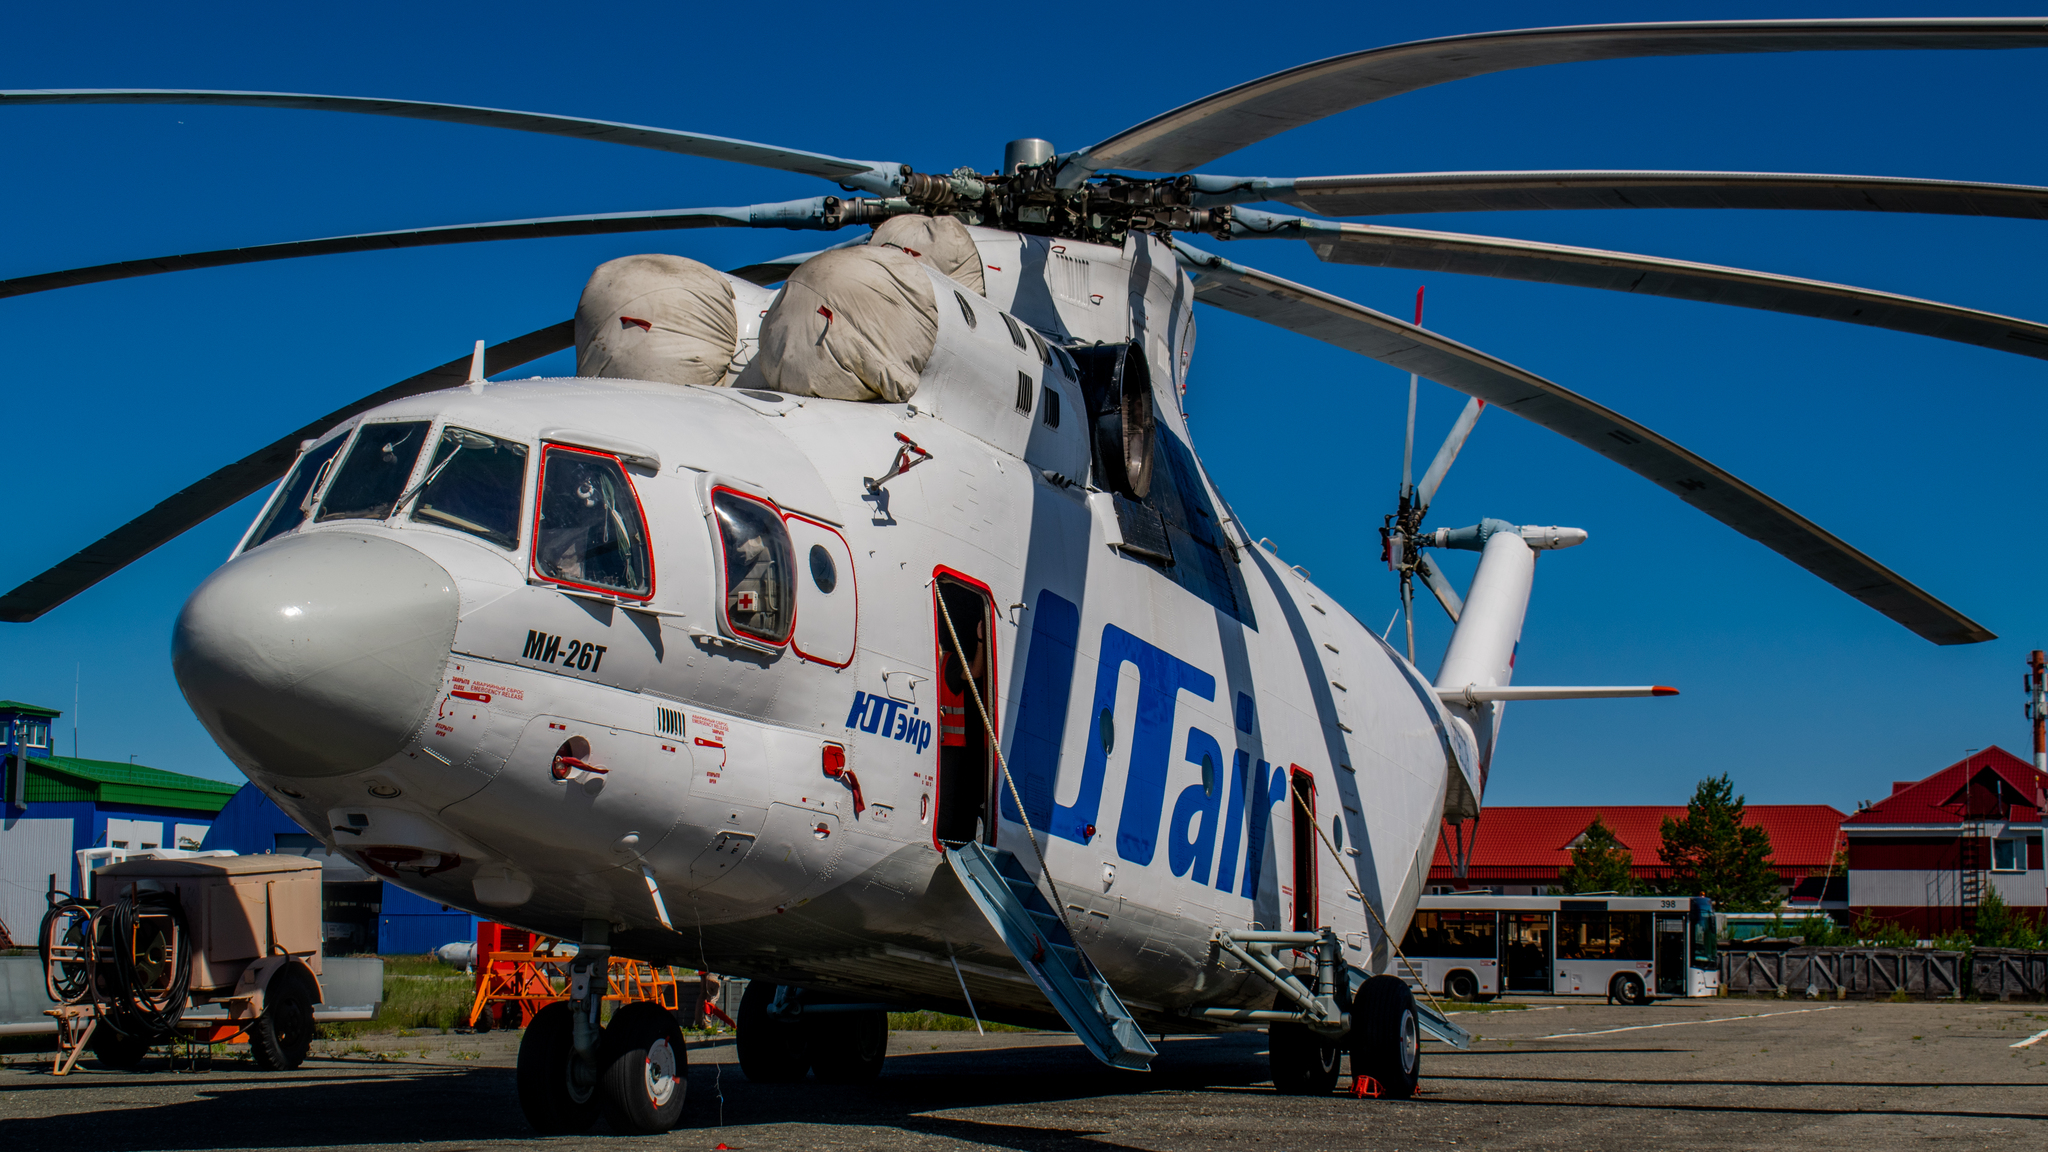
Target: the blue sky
pixel 1923 453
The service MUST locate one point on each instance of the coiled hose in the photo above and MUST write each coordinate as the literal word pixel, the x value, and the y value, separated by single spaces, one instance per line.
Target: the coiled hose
pixel 138 1003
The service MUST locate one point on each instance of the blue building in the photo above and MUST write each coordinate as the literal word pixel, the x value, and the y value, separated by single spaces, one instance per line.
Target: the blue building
pixel 361 913
pixel 57 806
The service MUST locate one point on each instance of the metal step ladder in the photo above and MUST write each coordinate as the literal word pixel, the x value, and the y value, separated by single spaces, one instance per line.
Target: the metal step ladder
pixel 1031 928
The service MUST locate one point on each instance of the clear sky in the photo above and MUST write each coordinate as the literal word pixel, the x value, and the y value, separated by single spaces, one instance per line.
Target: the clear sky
pixel 1923 453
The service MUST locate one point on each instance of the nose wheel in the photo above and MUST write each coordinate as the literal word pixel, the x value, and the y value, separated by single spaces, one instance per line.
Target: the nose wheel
pixel 632 1072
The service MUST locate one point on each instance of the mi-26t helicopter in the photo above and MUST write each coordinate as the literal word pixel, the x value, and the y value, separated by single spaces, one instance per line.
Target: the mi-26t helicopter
pixel 881 638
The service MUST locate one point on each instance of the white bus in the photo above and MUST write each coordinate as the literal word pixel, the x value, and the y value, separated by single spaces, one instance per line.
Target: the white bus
pixel 1631 948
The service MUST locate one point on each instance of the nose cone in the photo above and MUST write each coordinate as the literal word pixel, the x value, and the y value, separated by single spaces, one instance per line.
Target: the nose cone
pixel 316 655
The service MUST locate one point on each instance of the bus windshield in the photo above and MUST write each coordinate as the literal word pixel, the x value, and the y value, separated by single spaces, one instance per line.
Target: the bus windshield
pixel 1706 951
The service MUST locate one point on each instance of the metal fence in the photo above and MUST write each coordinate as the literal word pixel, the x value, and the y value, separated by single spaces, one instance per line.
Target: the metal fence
pixel 1839 973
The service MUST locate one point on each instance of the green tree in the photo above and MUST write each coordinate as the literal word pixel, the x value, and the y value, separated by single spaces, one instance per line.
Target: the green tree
pixel 1712 853
pixel 1600 863
pixel 1999 925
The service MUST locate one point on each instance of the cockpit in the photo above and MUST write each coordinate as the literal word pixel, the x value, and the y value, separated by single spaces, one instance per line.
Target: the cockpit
pixel 589 531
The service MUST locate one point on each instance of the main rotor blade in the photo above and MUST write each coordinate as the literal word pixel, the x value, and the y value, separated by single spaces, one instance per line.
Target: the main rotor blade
pixel 1691 478
pixel 220 491
pixel 880 178
pixel 1217 125
pixel 1417 192
pixel 1425 493
pixel 821 213
pixel 1439 584
pixel 1385 247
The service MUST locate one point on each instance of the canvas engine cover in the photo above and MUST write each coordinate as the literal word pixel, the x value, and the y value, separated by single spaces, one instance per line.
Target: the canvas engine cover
pixel 661 318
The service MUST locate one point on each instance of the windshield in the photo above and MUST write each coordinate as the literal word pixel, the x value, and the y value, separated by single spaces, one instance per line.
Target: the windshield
pixel 289 507
pixel 590 531
pixel 474 485
pixel 373 475
pixel 1706 947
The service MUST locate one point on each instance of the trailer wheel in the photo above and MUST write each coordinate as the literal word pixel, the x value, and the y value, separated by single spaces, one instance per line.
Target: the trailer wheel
pixel 644 1067
pixel 1303 1062
pixel 548 1092
pixel 281 1037
pixel 771 1051
pixel 1386 1036
pixel 117 1051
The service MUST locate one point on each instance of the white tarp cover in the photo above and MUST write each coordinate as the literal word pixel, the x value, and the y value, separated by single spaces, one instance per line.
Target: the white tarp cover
pixel 654 317
pixel 940 241
pixel 851 324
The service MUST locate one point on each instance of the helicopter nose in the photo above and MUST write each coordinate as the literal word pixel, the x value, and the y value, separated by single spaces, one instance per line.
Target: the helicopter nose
pixel 318 654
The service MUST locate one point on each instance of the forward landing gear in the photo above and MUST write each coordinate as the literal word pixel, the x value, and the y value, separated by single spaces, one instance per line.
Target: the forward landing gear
pixel 784 1034
pixel 571 1071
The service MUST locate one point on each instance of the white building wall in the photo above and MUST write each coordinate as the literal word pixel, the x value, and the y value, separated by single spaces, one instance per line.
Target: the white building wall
pixel 30 851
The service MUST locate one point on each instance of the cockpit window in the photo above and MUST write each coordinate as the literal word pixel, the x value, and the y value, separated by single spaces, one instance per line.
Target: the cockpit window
pixel 289 508
pixel 474 485
pixel 372 476
pixel 589 530
pixel 757 566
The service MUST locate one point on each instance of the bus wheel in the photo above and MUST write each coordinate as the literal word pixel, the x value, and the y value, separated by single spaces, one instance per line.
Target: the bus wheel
pixel 1461 986
pixel 1629 989
pixel 1386 1037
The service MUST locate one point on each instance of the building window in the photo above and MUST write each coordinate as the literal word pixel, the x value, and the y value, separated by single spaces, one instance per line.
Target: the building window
pixel 2008 856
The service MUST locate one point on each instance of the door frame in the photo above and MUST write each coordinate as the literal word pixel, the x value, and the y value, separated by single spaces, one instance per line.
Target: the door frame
pixel 1307 893
pixel 992 800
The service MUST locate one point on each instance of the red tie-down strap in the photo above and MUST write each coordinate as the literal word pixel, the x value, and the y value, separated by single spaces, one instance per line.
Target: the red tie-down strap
pixel 636 322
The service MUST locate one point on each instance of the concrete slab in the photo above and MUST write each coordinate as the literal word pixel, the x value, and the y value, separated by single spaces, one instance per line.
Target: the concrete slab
pixel 1702 1076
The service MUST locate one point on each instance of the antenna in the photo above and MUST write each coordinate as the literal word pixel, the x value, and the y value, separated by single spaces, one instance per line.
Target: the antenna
pixel 77 671
pixel 476 369
pixel 2037 706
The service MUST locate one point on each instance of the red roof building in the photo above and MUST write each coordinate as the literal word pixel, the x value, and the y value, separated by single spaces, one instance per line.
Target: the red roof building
pixel 1520 851
pixel 1926 855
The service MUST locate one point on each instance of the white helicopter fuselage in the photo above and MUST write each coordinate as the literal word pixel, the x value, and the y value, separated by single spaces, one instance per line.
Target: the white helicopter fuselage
pixel 1157 720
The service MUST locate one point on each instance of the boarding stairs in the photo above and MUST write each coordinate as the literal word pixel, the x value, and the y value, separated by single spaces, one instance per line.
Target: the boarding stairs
pixel 1039 939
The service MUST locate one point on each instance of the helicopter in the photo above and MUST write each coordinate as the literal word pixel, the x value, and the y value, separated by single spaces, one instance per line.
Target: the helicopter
pixel 881 638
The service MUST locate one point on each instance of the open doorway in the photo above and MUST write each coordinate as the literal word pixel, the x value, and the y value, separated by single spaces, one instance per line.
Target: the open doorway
pixel 967 761
pixel 1302 800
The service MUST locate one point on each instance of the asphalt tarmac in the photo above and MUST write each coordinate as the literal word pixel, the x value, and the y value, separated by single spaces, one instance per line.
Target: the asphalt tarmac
pixel 1704 1075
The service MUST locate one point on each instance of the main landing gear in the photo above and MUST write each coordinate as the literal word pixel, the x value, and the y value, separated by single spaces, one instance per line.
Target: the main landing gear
pixel 784 1032
pixel 571 1071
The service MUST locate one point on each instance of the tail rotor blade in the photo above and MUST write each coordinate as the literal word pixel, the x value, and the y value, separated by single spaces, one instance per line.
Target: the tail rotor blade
pixel 1425 493
pixel 1439 584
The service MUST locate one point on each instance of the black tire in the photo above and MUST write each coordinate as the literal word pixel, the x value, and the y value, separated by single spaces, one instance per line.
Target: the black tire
pixel 1303 1063
pixel 1484 997
pixel 1628 988
pixel 550 1098
pixel 281 1037
pixel 644 1070
pixel 1386 1036
pixel 771 1051
pixel 848 1047
pixel 1462 986
pixel 115 1051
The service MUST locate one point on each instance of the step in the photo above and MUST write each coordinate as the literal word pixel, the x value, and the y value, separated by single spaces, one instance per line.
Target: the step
pixel 1077 991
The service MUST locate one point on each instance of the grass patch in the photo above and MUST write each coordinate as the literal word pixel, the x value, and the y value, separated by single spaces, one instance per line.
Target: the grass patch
pixel 1491 1006
pixel 941 1022
pixel 412 1005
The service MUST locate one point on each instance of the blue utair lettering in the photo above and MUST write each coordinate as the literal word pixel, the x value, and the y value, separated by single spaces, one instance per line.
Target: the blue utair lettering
pixel 1161 679
pixel 1191 854
pixel 890 718
pixel 1048 686
pixel 1267 787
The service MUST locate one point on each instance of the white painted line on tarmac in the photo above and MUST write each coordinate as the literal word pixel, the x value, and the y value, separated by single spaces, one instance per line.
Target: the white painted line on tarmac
pixel 1681 1023
pixel 2030 1041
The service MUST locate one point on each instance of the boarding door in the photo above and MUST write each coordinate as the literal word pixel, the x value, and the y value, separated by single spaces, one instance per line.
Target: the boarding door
pixel 1525 952
pixel 1302 813
pixel 964 626
pixel 1671 955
